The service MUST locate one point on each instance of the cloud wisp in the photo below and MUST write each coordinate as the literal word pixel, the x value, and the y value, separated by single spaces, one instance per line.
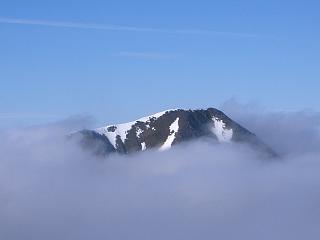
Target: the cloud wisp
pixel 103 27
pixel 52 189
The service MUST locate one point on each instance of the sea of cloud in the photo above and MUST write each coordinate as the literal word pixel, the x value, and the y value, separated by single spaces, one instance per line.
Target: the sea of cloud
pixel 52 189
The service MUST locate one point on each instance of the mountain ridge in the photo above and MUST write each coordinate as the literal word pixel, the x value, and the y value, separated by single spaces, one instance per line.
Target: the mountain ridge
pixel 165 129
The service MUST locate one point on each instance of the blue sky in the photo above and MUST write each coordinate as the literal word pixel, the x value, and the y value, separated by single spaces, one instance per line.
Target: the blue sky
pixel 119 60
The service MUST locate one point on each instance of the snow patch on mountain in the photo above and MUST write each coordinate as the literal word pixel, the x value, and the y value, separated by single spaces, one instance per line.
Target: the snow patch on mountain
pixel 139 131
pixel 143 146
pixel 219 129
pixel 174 128
pixel 111 135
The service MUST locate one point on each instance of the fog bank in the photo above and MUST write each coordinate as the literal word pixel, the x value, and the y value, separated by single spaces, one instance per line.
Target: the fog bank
pixel 52 189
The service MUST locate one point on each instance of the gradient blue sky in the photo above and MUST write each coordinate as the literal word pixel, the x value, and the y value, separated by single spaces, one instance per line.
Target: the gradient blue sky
pixel 119 60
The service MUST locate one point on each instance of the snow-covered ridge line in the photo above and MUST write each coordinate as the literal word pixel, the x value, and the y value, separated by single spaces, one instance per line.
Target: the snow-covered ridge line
pixel 121 130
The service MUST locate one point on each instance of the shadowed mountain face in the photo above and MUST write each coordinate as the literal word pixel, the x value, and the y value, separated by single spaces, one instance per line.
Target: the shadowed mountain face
pixel 163 130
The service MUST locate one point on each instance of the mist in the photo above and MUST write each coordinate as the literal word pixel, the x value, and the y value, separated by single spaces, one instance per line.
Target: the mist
pixel 52 189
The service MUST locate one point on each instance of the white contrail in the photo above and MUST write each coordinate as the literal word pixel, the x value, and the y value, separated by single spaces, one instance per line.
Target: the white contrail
pixel 122 28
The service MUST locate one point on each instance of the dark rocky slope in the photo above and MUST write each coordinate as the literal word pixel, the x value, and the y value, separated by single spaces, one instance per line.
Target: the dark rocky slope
pixel 168 128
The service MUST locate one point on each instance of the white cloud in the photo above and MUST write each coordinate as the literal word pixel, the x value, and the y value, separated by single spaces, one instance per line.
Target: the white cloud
pixel 37 22
pixel 51 189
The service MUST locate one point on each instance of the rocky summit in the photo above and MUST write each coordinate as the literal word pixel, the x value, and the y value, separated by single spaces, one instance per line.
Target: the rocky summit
pixel 165 129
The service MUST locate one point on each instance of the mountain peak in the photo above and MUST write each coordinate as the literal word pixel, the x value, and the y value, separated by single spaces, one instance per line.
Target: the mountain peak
pixel 164 129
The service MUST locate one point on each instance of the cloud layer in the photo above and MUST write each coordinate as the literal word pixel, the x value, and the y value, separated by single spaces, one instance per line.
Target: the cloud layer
pixel 51 189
